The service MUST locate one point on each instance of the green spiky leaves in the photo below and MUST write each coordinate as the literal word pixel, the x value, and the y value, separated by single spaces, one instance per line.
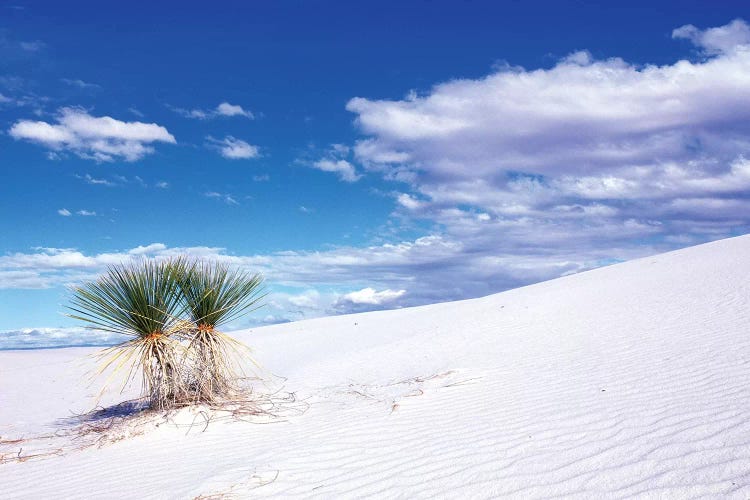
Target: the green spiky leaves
pixel 171 309
pixel 215 294
pixel 137 299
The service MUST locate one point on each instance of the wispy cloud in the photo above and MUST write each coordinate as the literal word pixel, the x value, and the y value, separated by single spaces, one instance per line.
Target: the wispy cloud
pixel 424 270
pixel 353 279
pixel 335 161
pixel 223 109
pixel 33 46
pixel 96 138
pixel 226 109
pixel 26 99
pixel 83 213
pixel 232 148
pixel 120 181
pixel 80 84
pixel 198 114
pixel 226 198
pixel 94 181
pixel 56 337
pixel 343 168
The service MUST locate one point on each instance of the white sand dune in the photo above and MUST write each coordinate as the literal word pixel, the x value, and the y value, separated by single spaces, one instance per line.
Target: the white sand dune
pixel 626 381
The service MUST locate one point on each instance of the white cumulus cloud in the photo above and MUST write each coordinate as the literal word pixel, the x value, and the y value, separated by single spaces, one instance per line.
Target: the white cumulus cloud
pixel 98 138
pixel 342 168
pixel 372 297
pixel 226 109
pixel 335 160
pixel 713 41
pixel 233 148
pixel 223 109
pixel 587 154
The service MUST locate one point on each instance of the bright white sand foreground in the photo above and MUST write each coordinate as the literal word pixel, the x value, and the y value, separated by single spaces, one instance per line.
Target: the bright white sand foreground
pixel 626 381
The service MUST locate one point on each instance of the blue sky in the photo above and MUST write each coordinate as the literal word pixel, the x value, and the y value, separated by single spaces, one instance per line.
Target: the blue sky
pixel 363 155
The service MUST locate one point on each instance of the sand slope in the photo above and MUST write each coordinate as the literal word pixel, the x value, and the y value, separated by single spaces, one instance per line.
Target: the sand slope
pixel 626 381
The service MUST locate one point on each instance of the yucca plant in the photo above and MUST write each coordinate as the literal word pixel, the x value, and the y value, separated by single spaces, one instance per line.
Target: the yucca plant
pixel 140 299
pixel 214 295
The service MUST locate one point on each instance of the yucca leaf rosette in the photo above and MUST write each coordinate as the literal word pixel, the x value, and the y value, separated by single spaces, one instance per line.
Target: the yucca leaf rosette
pixel 140 299
pixel 216 294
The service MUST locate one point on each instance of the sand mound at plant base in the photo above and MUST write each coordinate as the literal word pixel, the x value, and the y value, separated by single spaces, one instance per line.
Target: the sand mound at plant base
pixel 625 381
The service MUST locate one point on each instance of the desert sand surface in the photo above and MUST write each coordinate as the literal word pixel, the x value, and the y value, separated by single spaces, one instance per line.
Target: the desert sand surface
pixel 629 381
